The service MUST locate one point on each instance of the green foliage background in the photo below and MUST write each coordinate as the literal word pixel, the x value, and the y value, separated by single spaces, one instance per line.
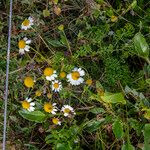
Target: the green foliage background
pixel 109 51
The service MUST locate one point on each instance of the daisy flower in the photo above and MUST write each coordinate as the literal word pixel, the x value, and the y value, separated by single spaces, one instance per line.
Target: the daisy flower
pixel 50 74
pixel 27 23
pixel 24 45
pixel 50 108
pixel 68 110
pixel 56 121
pixel 56 86
pixel 28 105
pixel 75 77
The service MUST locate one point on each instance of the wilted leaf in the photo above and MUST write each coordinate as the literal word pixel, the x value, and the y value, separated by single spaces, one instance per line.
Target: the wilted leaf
pixel 117 128
pixel 36 116
pixel 141 45
pixel 57 10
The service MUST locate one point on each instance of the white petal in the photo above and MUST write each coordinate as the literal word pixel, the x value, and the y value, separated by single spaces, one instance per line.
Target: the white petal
pixel 28 99
pixel 54 104
pixel 21 51
pixel 53 112
pixel 48 78
pixel 28 41
pixel 31 108
pixel 32 104
pixel 24 27
pixel 25 38
pixel 30 19
pixel 75 69
pixel 27 47
pixel 82 73
pixel 66 114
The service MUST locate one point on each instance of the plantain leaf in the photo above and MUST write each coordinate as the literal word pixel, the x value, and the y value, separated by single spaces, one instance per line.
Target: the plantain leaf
pixel 36 116
pixel 146 137
pixel 141 45
pixel 113 98
pixel 117 128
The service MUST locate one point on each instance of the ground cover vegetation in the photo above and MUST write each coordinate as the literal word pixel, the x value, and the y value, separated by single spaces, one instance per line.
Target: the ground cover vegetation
pixel 79 74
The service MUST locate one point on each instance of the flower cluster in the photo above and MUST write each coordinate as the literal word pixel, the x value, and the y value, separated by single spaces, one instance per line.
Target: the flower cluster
pixel 75 77
pixel 23 44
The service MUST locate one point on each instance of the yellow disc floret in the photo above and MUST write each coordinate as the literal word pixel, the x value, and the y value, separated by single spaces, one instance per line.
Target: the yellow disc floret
pixel 48 107
pixel 55 120
pixel 62 75
pixel 28 82
pixel 38 93
pixel 25 105
pixel 56 85
pixel 21 44
pixel 114 18
pixel 26 22
pixel 48 71
pixel 75 75
pixel 67 110
pixel 89 82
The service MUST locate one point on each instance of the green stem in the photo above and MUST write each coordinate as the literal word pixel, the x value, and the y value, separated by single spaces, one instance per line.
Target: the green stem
pixel 40 55
pixel 148 61
pixel 44 41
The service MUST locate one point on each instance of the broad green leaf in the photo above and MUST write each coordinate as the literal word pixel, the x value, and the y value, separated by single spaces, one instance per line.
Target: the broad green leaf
pixel 97 110
pixel 148 81
pixel 46 13
pixel 63 146
pixel 94 125
pixel 117 128
pixel 55 43
pixel 147 137
pixel 113 98
pixel 141 45
pixel 134 4
pixel 127 146
pixel 147 113
pixel 36 116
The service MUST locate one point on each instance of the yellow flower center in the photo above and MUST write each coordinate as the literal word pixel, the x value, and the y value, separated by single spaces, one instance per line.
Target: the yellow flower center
pixel 49 95
pixel 25 105
pixel 114 18
pixel 55 120
pixel 62 75
pixel 48 71
pixel 75 75
pixel 89 82
pixel 67 110
pixel 26 22
pixel 28 81
pixel 48 107
pixel 22 44
pixel 56 85
pixel 38 93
